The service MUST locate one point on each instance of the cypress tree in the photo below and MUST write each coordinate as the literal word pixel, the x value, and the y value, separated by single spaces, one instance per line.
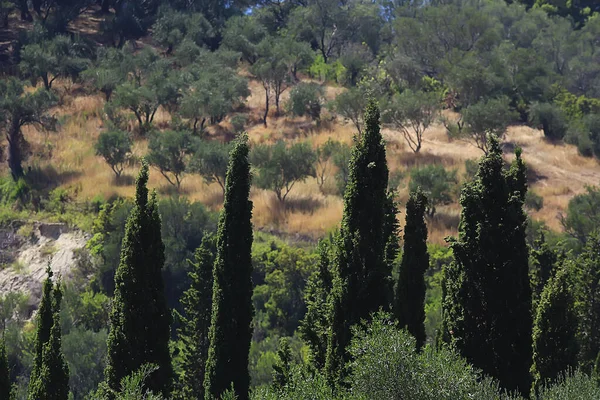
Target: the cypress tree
pixel 5 384
pixel 362 283
pixel 44 321
pixel 315 325
pixel 140 319
pixel 230 330
pixel 487 294
pixel 52 379
pixel 410 292
pixel 554 331
pixel 282 367
pixel 543 260
pixel 197 302
pixel 588 301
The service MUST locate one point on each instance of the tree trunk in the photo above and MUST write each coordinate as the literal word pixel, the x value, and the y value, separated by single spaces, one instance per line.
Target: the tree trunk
pixel 266 107
pixel 15 157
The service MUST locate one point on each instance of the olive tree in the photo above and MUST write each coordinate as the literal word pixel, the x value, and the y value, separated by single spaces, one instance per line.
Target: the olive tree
pixel 169 152
pixel 351 105
pixel 115 147
pixel 210 159
pixel 412 113
pixel 280 167
pixel 306 99
pixel 436 183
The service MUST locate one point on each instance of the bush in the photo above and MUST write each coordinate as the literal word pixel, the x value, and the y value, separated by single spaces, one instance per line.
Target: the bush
pixel 583 214
pixel 585 134
pixel 550 117
pixel 306 99
pixel 115 147
pixel 436 182
pixel 534 201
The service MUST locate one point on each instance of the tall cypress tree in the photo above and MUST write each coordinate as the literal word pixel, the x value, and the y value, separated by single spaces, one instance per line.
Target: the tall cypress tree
pixel 410 292
pixel 315 325
pixel 543 260
pixel 487 294
pixel 362 282
pixel 44 321
pixel 230 331
pixel 140 319
pixel 52 380
pixel 197 302
pixel 554 331
pixel 588 301
pixel 5 384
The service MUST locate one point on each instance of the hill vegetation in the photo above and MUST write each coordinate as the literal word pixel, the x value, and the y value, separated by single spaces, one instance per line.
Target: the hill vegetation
pixel 243 168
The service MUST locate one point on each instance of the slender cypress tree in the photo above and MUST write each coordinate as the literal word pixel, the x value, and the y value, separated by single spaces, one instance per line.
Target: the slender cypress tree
pixel 543 260
pixel 282 367
pixel 315 325
pixel 588 301
pixel 230 331
pixel 197 302
pixel 410 292
pixel 52 379
pixel 5 384
pixel 362 283
pixel 44 321
pixel 487 294
pixel 140 319
pixel 554 331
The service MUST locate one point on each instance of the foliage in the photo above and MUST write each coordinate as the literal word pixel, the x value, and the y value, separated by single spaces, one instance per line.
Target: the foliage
pixel 210 160
pixel 115 148
pixel 410 290
pixel 436 183
pixel 350 105
pixel 197 301
pixel 583 214
pixel 281 167
pixel 534 201
pixel 17 110
pixel 569 385
pixel 172 27
pixel 585 134
pixel 230 329
pixel 361 283
pixel 542 263
pixel 550 117
pixel 169 152
pixel 331 153
pixel 306 99
pixel 84 352
pixel 5 383
pixel 341 159
pixel 554 331
pixel 484 119
pixel 412 113
pixel 140 319
pixel 488 326
pixel 60 57
pixel 282 368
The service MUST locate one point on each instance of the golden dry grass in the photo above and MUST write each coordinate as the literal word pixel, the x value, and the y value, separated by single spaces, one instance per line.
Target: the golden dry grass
pixel 561 172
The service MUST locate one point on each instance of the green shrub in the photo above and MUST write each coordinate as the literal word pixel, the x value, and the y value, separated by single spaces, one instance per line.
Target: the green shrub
pixel 550 117
pixel 306 99
pixel 534 201
pixel 436 182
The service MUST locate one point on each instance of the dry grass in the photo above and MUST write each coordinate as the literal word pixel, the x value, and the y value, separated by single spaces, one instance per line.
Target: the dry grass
pixel 67 157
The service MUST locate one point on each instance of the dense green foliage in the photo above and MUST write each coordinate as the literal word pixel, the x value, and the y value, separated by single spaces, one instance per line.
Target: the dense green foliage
pixel 5 383
pixel 492 330
pixel 140 319
pixel 115 148
pixel 230 331
pixel 410 291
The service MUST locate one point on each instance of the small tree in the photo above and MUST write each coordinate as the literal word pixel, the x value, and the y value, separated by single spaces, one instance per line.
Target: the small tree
pixel 210 159
pixel 115 148
pixel 350 105
pixel 412 113
pixel 51 59
pixel 142 101
pixel 554 332
pixel 551 118
pixel 325 154
pixel 19 109
pixel 169 152
pixel 341 159
pixel 485 119
pixel 280 168
pixel 306 99
pixel 583 214
pixel 436 183
pixel 172 27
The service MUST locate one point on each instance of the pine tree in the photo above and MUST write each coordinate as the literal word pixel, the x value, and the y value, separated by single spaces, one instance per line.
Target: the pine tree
pixel 315 325
pixel 543 260
pixel 554 331
pixel 362 283
pixel 487 293
pixel 5 383
pixel 410 292
pixel 588 301
pixel 197 302
pixel 282 367
pixel 140 319
pixel 52 380
pixel 230 330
